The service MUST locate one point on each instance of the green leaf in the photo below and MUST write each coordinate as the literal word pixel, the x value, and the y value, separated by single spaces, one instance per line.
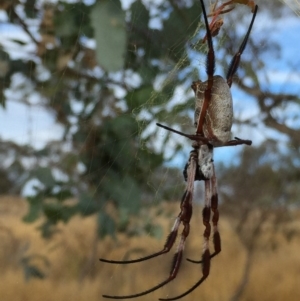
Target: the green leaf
pixel 22 43
pixel 44 174
pixel 140 15
pixel 56 212
pixel 30 9
pixel 65 25
pixel 87 205
pixel 31 271
pixel 126 192
pixel 106 225
pixel 108 21
pixel 35 207
pixel 153 230
pixel 139 97
pixel 123 221
pixel 48 229
pixel 63 195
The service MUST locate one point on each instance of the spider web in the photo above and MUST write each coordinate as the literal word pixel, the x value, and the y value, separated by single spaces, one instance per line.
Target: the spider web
pixel 176 106
pixel 172 100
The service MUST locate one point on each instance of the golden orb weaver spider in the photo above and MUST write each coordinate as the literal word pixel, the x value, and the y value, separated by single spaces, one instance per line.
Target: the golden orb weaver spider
pixel 213 121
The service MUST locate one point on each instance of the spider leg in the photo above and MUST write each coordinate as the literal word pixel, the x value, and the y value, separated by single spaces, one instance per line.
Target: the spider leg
pixel 173 234
pixel 215 14
pixel 192 137
pixel 167 246
pixel 236 59
pixel 184 217
pixel 206 256
pixel 203 140
pixel 236 141
pixel 215 218
pixel 210 70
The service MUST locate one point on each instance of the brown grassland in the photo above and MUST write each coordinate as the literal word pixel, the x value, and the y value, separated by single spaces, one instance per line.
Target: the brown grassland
pixel 274 276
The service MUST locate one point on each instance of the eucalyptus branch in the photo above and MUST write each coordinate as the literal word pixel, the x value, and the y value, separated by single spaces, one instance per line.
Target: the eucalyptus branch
pixel 24 25
pixel 277 100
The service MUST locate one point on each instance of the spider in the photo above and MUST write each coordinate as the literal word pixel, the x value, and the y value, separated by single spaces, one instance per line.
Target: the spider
pixel 213 121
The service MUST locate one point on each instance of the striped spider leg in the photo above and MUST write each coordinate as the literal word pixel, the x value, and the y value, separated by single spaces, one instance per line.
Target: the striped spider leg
pixel 184 217
pixel 213 121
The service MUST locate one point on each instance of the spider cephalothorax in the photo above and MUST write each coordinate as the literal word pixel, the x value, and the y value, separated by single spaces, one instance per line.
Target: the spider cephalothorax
pixel 213 121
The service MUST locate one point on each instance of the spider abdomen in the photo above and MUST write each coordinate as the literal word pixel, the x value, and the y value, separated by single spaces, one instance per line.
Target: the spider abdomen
pixel 219 114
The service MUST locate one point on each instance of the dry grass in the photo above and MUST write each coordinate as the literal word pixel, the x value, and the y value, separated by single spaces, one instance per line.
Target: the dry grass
pixel 274 276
